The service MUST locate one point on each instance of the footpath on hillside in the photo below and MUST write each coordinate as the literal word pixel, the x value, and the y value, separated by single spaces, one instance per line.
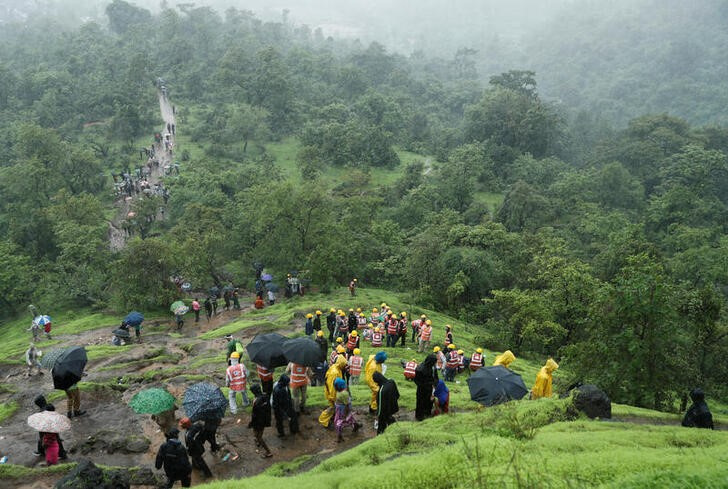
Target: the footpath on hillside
pixel 158 162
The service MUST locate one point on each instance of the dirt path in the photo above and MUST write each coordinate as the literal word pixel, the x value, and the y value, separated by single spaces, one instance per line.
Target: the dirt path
pixel 117 235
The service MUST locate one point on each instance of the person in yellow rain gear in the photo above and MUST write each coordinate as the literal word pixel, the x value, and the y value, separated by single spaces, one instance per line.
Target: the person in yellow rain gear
pixel 334 372
pixel 374 364
pixel 542 387
pixel 505 359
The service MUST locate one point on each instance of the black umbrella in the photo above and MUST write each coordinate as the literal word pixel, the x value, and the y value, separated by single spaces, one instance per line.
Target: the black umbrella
pixel 303 351
pixel 495 385
pixel 68 367
pixel 267 350
pixel 121 333
pixel 204 401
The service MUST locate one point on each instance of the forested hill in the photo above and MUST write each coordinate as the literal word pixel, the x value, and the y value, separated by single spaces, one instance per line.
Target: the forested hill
pixel 344 160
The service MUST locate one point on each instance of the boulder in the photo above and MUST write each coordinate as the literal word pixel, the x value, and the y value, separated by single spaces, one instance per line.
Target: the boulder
pixel 143 476
pixel 592 401
pixel 87 476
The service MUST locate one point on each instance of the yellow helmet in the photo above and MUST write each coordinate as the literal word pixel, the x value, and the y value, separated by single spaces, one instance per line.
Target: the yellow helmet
pixel 318 313
pixel 309 315
pixel 370 325
pixel 389 313
pixel 332 310
pixel 424 316
pixel 403 314
pixel 358 309
pixel 354 280
pixel 351 310
pixel 342 313
pixel 428 322
pixel 479 350
pixel 320 333
pixel 354 333
pixel 235 355
pixel 436 349
pixel 460 352
pixel 375 310
pixel 340 349
pixel 451 346
pixel 376 330
pixel 384 304
pixel 357 351
pixel 447 326
pixel 339 339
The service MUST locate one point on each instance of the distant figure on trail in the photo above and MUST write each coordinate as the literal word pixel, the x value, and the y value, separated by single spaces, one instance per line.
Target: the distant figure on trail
pixel 271 297
pixel 32 360
pixel 35 329
pixel 352 287
pixel 259 303
pixel 698 415
pixel 196 309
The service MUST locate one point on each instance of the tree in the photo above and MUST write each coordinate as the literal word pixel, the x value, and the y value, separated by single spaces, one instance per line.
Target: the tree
pixel 123 16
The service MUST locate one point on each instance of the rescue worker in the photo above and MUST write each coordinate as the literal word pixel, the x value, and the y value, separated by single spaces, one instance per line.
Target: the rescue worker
pixel 698 415
pixel 409 369
pixel 283 407
pixel 236 378
pixel 387 401
pixel 374 364
pixel 352 342
pixel 352 287
pixel 342 326
pixel 299 376
pixel 416 323
pixel 317 322
pixel 476 361
pixel 374 318
pixel 320 368
pixel 402 328
pixel 462 361
pixel 392 330
pixel 448 335
pixel 173 456
pixel 195 445
pixel 544 379
pixel 331 323
pixel 453 361
pixel 335 350
pixel 355 363
pixel 426 379
pixel 377 338
pixel 351 321
pixel 266 378
pixel 441 359
pixel 505 359
pixel 308 328
pixel 335 371
pixel 425 336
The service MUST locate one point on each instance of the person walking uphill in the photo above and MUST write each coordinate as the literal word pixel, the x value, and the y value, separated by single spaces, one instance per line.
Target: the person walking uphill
pixel 195 445
pixel 344 410
pixel 331 323
pixel 236 378
pixel 283 406
pixel 172 456
pixel 374 364
pixel 426 379
pixel 387 401
pixel 260 418
pixel 335 371
pixel 299 385
pixel 73 400
pixel 544 379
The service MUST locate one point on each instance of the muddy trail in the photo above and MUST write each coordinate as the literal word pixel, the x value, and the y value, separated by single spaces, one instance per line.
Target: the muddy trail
pixel 124 205
pixel 110 433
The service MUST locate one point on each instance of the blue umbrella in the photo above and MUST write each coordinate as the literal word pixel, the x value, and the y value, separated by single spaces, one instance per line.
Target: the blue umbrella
pixel 266 277
pixel 134 318
pixel 42 320
pixel 204 401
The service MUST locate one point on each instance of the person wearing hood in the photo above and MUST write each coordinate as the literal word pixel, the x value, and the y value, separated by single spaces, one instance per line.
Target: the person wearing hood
pixel 426 379
pixel 698 415
pixel 173 456
pixel 260 418
pixel 195 445
pixel 374 364
pixel 544 379
pixel 387 401
pixel 334 372
pixel 505 359
pixel 283 406
pixel 441 398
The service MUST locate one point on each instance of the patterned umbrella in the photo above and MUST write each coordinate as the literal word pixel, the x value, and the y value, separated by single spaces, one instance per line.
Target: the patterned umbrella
pixel 134 318
pixel 203 401
pixel 152 401
pixel 179 307
pixel 49 359
pixel 49 422
pixel 42 320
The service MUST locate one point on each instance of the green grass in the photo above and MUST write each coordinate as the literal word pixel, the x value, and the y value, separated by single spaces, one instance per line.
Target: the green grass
pixel 491 199
pixel 7 409
pixel 12 471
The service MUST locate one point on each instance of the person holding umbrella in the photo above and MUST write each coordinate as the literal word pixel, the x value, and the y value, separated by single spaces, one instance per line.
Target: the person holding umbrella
pixel 172 455
pixel 49 423
pixel 426 379
pixel 157 402
pixel 300 376
pixel 135 319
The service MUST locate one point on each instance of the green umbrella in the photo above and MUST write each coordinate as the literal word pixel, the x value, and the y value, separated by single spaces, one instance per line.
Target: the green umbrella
pixel 152 401
pixel 178 307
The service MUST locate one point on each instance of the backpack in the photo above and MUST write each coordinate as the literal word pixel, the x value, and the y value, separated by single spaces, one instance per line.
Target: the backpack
pixel 239 347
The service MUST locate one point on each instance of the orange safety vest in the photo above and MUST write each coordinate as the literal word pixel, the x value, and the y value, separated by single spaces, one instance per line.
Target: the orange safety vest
pixel 392 327
pixel 332 357
pixel 298 375
pixel 461 361
pixel 402 326
pixel 264 373
pixel 409 370
pixel 236 376
pixel 453 360
pixel 440 359
pixel 355 362
pixel 376 339
pixel 476 361
pixel 425 333
pixel 361 321
pixel 351 343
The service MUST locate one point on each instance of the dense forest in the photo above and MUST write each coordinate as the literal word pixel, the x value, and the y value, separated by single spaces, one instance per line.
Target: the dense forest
pixel 557 234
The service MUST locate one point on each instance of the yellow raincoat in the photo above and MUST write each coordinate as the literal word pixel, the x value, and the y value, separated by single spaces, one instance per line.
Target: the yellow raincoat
pixel 371 367
pixel 335 371
pixel 542 387
pixel 505 359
